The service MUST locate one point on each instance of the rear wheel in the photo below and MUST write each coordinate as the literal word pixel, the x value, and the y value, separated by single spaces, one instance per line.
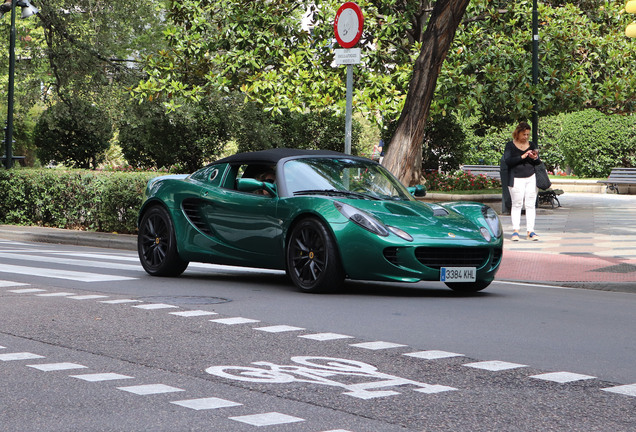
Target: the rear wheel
pixel 468 287
pixel 313 262
pixel 157 244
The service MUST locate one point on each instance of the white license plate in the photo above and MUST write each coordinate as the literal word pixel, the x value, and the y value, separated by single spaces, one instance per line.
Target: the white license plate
pixel 458 274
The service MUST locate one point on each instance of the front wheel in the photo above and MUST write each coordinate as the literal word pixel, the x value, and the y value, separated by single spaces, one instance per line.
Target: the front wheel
pixel 313 262
pixel 157 244
pixel 468 287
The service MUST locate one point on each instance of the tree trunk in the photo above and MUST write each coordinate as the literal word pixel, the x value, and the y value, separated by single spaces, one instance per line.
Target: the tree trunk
pixel 404 155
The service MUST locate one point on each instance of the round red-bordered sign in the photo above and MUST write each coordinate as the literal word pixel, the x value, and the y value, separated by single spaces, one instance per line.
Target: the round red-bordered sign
pixel 348 24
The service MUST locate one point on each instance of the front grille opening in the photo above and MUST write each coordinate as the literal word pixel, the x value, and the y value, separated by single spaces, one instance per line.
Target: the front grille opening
pixel 438 257
pixel 391 255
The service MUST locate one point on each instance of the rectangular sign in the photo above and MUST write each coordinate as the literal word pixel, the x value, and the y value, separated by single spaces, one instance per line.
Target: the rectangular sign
pixel 458 274
pixel 347 56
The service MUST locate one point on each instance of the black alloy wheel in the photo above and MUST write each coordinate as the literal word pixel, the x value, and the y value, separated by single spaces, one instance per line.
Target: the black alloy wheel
pixel 313 261
pixel 157 244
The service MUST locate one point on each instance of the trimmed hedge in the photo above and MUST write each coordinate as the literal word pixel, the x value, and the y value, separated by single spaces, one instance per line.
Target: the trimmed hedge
pixel 73 199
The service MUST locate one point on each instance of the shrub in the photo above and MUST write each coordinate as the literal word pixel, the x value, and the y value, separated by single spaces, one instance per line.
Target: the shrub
pixel 75 199
pixel 185 139
pixel 77 136
pixel 593 143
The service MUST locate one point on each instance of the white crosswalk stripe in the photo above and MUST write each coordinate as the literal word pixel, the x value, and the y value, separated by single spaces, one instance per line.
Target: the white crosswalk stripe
pixel 61 274
pixel 71 262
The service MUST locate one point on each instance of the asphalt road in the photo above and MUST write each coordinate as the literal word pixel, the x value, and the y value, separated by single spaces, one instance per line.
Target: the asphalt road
pixel 232 349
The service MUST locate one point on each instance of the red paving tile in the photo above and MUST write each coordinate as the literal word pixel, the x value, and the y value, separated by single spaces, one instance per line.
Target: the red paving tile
pixel 544 267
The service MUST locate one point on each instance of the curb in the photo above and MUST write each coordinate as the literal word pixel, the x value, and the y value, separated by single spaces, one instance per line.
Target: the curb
pixel 72 237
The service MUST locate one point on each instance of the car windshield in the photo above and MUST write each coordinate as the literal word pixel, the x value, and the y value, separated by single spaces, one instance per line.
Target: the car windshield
pixel 353 178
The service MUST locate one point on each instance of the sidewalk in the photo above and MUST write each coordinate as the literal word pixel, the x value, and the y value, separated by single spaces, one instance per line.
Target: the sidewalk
pixel 589 242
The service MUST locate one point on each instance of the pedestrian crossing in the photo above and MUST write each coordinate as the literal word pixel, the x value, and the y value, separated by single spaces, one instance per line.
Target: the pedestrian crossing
pixel 23 259
pixel 63 265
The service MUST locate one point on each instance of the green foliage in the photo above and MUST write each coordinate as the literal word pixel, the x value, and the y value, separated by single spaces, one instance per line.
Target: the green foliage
pixel 593 143
pixel 584 61
pixel 322 130
pixel 77 135
pixel 445 145
pixel 86 200
pixel 486 144
pixel 458 181
pixel 550 130
pixel 588 142
pixel 262 49
pixel 186 138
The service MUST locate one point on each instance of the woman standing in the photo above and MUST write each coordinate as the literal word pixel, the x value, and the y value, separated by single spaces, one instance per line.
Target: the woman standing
pixel 521 156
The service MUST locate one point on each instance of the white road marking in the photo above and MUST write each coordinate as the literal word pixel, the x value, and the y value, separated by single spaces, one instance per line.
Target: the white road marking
pixel 120 301
pixel 206 403
pixel 101 377
pixel 56 294
pixel 48 367
pixel 325 336
pixel 88 297
pixel 434 388
pixel 193 313
pixel 267 419
pixel 234 321
pixel 19 356
pixel 4 284
pixel 62 274
pixel 378 345
pixel 150 389
pixel 279 328
pixel 71 262
pixel 562 377
pixel 27 290
pixel 628 390
pixel 494 365
pixel 153 306
pixel 433 354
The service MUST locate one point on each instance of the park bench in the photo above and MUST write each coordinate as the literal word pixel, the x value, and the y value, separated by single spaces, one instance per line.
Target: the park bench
pixel 487 170
pixel 548 196
pixel 618 177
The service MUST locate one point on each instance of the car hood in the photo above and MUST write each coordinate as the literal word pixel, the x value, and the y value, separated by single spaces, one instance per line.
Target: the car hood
pixel 427 220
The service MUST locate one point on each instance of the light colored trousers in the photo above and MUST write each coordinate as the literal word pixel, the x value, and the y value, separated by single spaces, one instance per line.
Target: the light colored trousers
pixel 524 193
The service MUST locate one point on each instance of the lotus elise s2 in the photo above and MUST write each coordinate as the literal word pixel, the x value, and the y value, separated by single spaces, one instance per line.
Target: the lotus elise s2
pixel 322 217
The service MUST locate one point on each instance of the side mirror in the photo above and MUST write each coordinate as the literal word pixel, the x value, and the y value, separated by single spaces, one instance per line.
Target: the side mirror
pixel 252 185
pixel 417 191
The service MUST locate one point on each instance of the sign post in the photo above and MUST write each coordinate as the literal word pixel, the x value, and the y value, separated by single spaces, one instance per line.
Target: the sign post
pixel 348 28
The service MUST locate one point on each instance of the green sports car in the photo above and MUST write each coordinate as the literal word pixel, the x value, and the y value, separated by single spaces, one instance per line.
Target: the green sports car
pixel 321 216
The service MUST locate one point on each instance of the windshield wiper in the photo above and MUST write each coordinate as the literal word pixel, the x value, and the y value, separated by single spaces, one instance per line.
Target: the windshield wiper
pixel 335 192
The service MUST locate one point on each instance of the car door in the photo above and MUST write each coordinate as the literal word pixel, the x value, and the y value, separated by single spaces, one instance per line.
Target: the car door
pixel 245 224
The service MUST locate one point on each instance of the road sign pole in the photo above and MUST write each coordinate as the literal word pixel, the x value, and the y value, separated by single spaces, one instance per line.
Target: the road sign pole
pixel 349 109
pixel 347 28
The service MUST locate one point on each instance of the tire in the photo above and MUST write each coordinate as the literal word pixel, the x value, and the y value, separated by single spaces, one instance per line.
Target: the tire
pixel 313 261
pixel 157 244
pixel 468 287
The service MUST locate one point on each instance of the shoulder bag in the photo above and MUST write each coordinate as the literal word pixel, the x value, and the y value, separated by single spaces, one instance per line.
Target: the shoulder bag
pixel 541 174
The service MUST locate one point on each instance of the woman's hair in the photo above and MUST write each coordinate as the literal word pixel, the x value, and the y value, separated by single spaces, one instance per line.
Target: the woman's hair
pixel 523 126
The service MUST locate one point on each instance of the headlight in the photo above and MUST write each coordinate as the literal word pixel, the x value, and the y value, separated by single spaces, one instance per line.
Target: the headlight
pixel 362 219
pixel 492 220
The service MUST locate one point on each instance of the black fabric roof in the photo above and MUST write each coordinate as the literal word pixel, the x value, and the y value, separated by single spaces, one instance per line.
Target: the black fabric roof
pixel 272 156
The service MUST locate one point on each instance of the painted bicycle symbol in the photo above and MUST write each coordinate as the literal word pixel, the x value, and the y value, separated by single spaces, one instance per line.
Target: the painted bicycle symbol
pixel 325 371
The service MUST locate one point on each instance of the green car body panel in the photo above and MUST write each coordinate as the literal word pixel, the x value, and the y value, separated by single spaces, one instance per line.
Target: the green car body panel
pixel 218 218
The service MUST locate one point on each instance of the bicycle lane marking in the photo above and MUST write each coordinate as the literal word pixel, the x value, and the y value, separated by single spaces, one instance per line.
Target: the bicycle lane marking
pixel 311 370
